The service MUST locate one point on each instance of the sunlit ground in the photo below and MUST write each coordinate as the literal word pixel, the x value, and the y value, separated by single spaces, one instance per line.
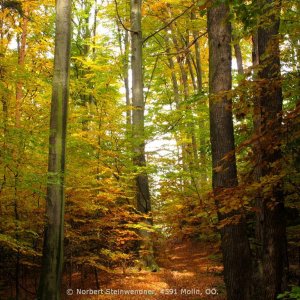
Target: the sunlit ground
pixel 186 272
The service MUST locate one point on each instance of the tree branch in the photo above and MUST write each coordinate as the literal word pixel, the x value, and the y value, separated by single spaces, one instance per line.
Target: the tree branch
pixel 119 18
pixel 151 78
pixel 168 24
pixel 173 20
pixel 184 50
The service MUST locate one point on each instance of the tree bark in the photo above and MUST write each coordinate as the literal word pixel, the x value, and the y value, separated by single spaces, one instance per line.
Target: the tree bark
pixel 173 74
pixel 197 56
pixel 21 62
pixel 271 221
pixel 138 132
pixel 126 79
pixel 52 262
pixel 124 49
pixel 198 67
pixel 239 57
pixel 234 241
pixel 143 195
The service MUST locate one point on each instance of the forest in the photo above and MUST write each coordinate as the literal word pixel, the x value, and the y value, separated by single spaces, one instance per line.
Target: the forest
pixel 149 149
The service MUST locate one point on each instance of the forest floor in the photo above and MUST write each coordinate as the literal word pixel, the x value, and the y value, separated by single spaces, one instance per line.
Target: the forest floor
pixel 188 271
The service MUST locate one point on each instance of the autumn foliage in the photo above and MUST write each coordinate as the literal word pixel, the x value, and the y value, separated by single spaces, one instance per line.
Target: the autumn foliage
pixel 102 243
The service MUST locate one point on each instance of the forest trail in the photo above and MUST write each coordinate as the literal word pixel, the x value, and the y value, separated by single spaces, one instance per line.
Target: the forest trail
pixel 188 271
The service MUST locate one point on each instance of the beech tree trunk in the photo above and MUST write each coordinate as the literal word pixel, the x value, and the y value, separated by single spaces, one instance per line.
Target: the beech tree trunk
pixel 271 220
pixel 138 131
pixel 197 56
pixel 52 262
pixel 124 49
pixel 239 57
pixel 126 79
pixel 21 62
pixel 143 195
pixel 235 245
pixel 198 67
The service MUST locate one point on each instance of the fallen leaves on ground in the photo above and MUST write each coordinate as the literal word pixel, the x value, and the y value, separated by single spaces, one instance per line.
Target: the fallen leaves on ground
pixel 188 271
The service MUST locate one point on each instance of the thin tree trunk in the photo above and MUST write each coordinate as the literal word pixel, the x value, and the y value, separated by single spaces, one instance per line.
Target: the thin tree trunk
pixel 4 113
pixel 19 98
pixel 255 61
pixel 176 100
pixel 17 219
pixel 197 57
pixel 96 278
pixel 173 74
pixel 257 253
pixel 193 145
pixel 190 67
pixel 4 146
pixel 258 272
pixel 235 245
pixel 238 54
pixel 125 53
pixel 198 66
pixel 52 262
pixel 21 62
pixel 95 28
pixel 126 79
pixel 239 57
pixel 186 147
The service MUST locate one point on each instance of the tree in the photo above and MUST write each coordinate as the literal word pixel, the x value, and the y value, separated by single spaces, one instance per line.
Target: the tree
pixel 235 245
pixel 138 130
pixel 52 263
pixel 271 217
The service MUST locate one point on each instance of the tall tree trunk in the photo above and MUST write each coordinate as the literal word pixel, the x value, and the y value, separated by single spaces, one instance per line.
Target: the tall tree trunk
pixel 197 56
pixel 188 148
pixel 126 79
pixel 124 49
pixel 235 245
pixel 254 49
pixel 198 67
pixel 173 73
pixel 17 234
pixel 138 131
pixel 51 275
pixel 85 33
pixel 21 62
pixel 95 25
pixel 143 195
pixel 271 225
pixel 238 56
pixel 176 95
pixel 190 67
pixel 257 253
pixel 193 145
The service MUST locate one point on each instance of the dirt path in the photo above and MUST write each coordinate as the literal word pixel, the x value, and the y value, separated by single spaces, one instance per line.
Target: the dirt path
pixel 186 273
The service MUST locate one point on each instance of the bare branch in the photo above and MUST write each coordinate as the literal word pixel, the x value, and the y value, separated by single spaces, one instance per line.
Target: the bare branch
pixel 173 20
pixel 183 50
pixel 151 78
pixel 119 18
pixel 168 24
